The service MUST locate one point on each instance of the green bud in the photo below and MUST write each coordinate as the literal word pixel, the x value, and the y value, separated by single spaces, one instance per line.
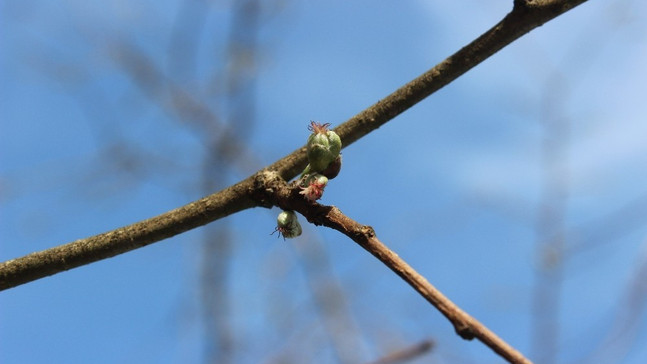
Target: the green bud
pixel 319 156
pixel 318 179
pixel 323 146
pixel 288 225
pixel 335 143
pixel 312 186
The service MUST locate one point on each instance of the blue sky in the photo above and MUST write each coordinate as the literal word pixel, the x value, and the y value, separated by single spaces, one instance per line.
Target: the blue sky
pixel 452 185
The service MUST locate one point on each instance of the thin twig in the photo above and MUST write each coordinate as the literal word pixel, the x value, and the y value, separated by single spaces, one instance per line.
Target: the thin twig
pixel 525 16
pixel 287 197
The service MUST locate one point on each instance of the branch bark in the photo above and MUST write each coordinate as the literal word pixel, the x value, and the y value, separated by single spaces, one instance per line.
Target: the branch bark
pixel 525 16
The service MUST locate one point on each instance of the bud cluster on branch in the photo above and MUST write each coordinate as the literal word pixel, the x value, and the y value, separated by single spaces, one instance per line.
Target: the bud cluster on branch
pixel 324 163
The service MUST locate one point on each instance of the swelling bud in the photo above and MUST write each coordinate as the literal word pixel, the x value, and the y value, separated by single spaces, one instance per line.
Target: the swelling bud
pixel 288 225
pixel 323 146
pixel 312 187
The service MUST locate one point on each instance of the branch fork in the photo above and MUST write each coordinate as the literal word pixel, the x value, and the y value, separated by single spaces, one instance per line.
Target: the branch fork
pixel 274 189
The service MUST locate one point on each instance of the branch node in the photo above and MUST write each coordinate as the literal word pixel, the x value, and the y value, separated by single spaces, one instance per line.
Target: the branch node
pixel 368 231
pixel 265 186
pixel 464 330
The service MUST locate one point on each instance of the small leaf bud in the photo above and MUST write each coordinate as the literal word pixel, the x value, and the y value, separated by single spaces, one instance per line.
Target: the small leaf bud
pixel 312 187
pixel 288 225
pixel 323 146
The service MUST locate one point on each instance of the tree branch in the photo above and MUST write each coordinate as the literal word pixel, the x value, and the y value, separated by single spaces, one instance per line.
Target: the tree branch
pixel 525 16
pixel 287 197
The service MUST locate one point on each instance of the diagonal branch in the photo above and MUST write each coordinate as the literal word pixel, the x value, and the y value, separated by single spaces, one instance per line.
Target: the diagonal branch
pixel 525 16
pixel 288 198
